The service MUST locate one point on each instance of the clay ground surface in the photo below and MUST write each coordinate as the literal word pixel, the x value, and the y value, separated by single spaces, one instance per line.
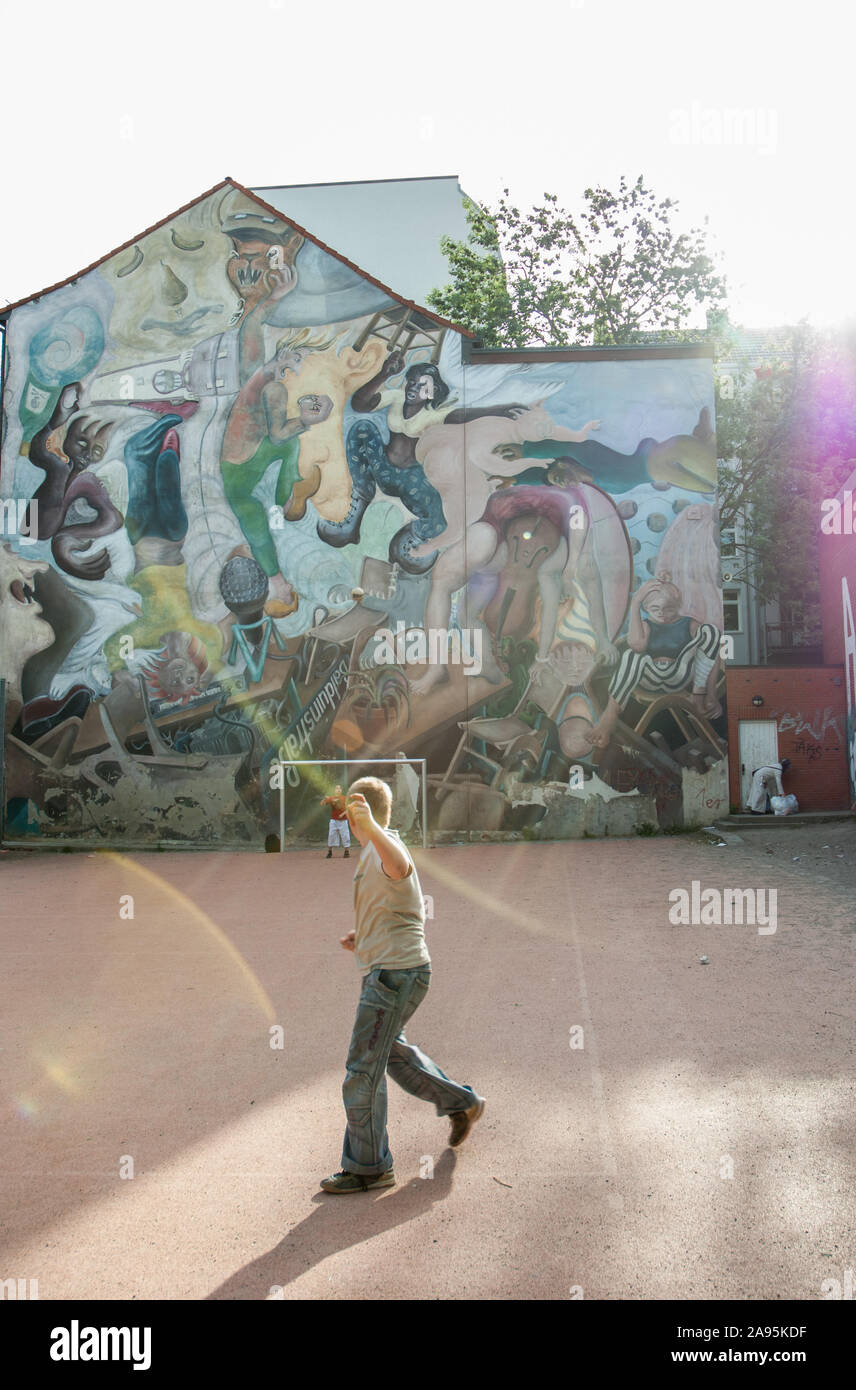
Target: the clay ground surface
pixel 699 1142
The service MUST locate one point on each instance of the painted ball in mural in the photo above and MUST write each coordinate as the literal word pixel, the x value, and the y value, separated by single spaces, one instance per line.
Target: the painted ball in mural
pixel 657 522
pixel 244 588
pixel 627 509
pixel 679 504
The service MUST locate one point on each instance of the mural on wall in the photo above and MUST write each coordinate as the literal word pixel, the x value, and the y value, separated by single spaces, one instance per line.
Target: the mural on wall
pixel 256 507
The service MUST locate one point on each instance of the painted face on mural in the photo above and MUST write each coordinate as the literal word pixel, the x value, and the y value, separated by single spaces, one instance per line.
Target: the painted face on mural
pixel 662 606
pixel 530 539
pixel 178 676
pixel 419 388
pixel 263 267
pixel 291 359
pixel 179 670
pixel 23 631
pixel 172 289
pixel 85 442
pixel 573 662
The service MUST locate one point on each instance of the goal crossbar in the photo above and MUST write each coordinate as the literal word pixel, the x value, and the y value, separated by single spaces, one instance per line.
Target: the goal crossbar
pixel 421 763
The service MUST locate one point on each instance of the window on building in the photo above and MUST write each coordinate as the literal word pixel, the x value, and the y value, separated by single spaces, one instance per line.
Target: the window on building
pixel 727 544
pixel 731 610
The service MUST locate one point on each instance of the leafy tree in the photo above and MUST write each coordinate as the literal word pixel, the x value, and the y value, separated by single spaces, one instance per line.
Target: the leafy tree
pixel 617 273
pixel 786 439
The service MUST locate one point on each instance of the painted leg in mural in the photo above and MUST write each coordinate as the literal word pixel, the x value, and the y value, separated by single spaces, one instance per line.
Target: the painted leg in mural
pixel 370 470
pixel 706 672
pixel 476 597
pixel 155 506
pixel 479 551
pixel 364 449
pixel 260 433
pixel 584 568
pixel 578 718
pixel 420 498
pixel 696 663
pixel 239 482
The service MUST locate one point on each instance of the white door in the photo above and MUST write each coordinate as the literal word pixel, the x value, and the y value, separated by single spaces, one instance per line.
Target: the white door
pixel 759 745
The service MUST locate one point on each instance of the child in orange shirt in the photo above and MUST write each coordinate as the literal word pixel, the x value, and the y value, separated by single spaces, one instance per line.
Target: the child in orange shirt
pixel 339 832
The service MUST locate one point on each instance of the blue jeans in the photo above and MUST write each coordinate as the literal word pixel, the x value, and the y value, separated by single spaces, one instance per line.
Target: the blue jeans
pixel 387 1000
pixel 370 469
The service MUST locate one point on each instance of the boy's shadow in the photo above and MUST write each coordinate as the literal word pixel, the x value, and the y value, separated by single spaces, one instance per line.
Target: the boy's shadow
pixel 323 1232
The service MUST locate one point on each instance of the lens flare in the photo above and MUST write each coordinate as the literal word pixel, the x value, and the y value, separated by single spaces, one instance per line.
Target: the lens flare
pixel 203 920
pixel 424 863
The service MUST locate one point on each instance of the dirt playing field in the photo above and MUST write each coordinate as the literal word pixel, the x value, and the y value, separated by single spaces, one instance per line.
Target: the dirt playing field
pixel 655 1127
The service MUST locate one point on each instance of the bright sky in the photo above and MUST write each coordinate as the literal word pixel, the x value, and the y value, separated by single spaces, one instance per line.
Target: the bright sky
pixel 115 114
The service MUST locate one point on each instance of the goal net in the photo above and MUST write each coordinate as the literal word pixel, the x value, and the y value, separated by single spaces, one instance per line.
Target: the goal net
pixel 304 820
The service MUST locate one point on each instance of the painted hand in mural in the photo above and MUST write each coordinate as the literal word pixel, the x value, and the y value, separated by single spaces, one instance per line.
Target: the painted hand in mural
pixel 282 274
pixel 313 409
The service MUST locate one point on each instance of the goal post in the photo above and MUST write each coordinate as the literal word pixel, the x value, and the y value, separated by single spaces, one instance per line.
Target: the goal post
pixel 356 763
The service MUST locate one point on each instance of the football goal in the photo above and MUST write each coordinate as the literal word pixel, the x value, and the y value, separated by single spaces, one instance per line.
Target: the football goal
pixel 296 777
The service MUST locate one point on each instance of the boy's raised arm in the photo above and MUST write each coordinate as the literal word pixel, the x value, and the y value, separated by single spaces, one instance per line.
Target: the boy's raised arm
pixel 393 856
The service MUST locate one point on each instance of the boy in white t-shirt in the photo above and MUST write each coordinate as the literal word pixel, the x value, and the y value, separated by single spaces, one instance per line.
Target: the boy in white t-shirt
pixel 388 941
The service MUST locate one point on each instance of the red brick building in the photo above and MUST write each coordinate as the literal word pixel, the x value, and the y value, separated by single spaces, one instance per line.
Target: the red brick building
pixel 790 712
pixel 838 604
pixel 807 713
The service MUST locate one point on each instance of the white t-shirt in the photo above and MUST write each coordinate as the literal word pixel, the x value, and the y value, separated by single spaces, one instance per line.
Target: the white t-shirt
pixel 389 921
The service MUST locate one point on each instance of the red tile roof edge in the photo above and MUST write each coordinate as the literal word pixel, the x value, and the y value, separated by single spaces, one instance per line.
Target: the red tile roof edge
pixel 231 183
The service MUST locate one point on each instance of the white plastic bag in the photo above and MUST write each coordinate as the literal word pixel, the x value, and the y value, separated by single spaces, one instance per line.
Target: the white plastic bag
pixel 784 805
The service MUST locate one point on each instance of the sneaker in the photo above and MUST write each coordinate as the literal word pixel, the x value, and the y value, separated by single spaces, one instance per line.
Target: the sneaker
pixel 355 1182
pixel 329 854
pixel 463 1121
pixel 347 854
